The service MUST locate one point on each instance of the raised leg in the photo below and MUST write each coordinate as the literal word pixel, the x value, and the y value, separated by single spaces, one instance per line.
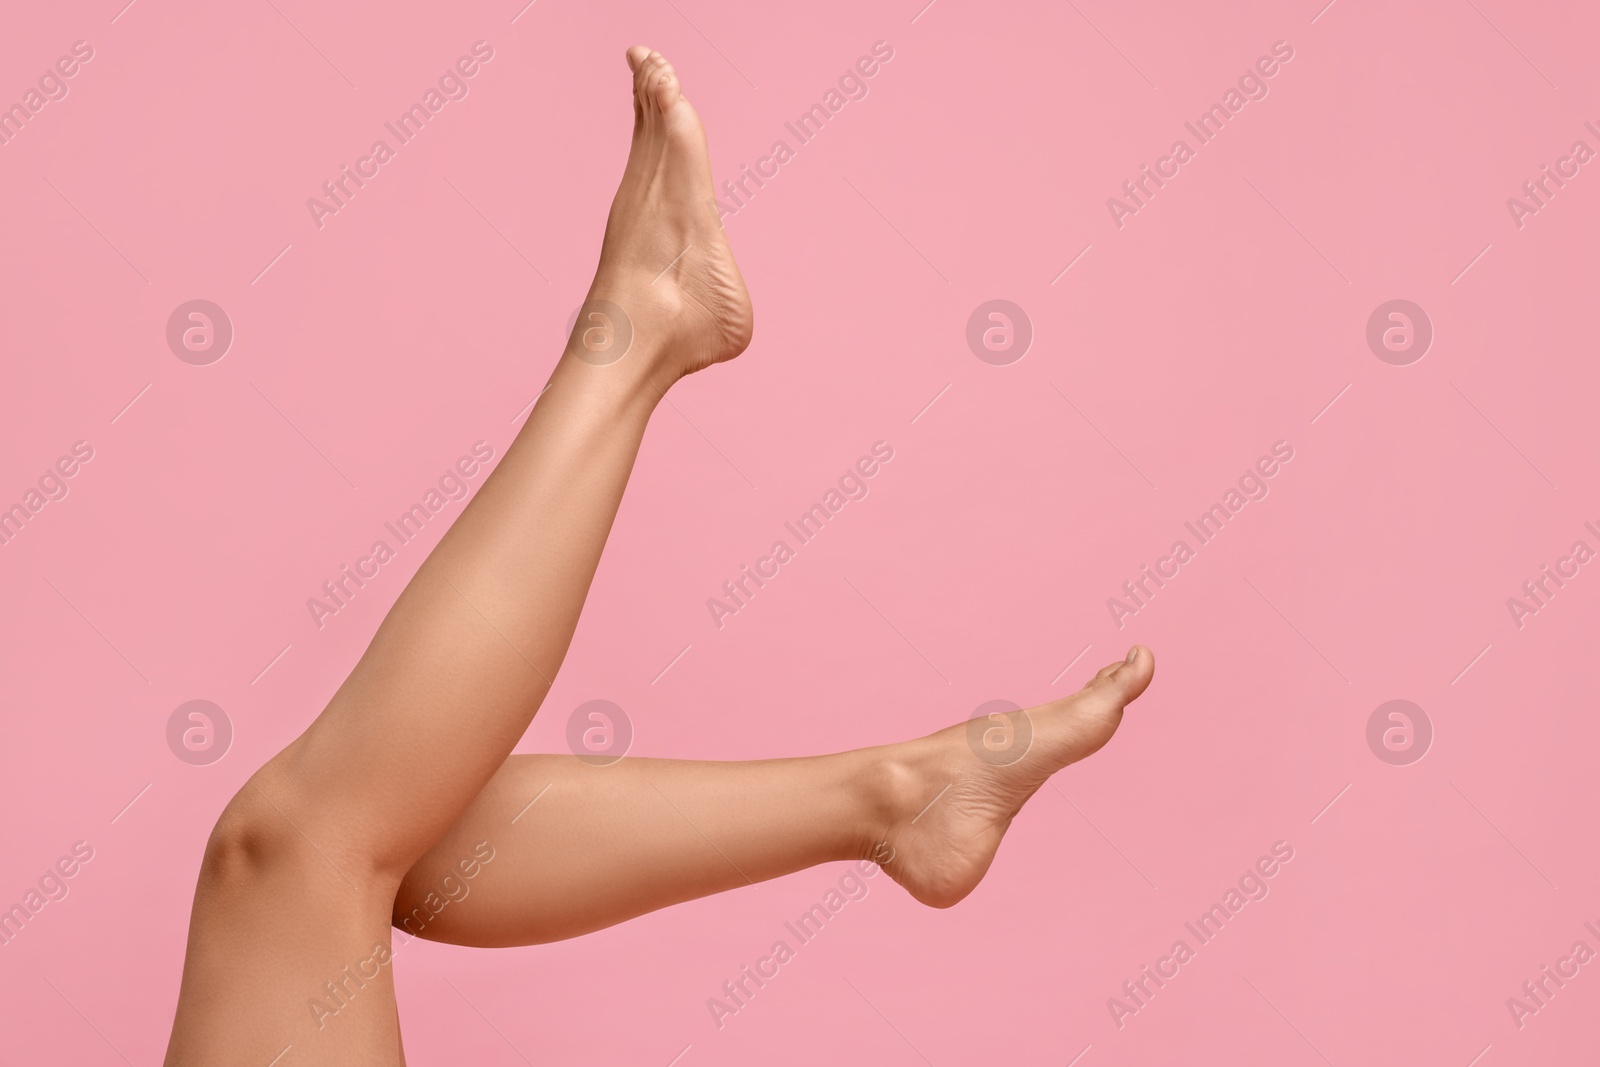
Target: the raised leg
pixel 288 942
pixel 555 847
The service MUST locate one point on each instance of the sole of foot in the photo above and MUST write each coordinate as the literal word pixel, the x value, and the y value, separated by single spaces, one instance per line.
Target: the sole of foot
pixel 665 264
pixel 953 794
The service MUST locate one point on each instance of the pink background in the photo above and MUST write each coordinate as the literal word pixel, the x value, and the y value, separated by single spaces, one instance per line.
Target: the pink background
pixel 1223 317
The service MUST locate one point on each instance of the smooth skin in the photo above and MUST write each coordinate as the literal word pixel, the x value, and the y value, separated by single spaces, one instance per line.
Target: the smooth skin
pixel 406 781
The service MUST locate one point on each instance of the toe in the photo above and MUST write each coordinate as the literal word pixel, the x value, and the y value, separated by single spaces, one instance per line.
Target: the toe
pixel 645 76
pixel 661 83
pixel 1128 678
pixel 1081 724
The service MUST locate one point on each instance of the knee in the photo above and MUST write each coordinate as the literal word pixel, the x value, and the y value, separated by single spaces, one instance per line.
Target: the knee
pixel 271 832
pixel 250 839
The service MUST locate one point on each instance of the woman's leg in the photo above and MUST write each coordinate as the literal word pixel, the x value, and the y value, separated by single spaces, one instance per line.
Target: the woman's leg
pixel 289 937
pixel 555 847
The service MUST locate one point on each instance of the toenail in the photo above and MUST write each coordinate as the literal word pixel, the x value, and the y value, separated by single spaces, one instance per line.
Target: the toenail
pixel 1133 654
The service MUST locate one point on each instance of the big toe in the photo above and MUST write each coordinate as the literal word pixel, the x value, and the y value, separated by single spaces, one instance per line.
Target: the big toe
pixel 1128 678
pixel 657 82
pixel 1080 724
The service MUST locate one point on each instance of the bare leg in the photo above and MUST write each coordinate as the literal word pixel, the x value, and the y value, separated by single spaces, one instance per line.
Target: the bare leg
pixel 572 847
pixel 296 889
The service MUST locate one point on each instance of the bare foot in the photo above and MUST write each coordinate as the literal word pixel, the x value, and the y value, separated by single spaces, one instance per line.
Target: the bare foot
pixel 954 793
pixel 665 261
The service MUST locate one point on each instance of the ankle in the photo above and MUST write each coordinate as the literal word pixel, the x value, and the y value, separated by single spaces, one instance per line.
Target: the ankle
pixel 895 783
pixel 630 317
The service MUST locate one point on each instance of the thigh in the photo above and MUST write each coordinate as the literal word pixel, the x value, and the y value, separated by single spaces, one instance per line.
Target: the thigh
pixel 289 954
